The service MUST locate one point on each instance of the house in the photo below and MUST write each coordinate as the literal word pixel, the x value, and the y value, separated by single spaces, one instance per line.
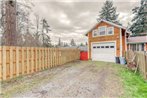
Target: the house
pixel 106 41
pixel 137 43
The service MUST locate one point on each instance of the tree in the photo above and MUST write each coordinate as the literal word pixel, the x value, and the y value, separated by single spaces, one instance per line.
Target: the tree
pixel 108 12
pixel 66 44
pixel 86 44
pixel 44 33
pixel 81 44
pixel 139 22
pixel 14 21
pixel 47 41
pixel 59 43
pixel 72 43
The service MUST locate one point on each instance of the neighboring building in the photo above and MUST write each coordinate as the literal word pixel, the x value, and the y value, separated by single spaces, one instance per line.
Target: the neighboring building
pixel 106 41
pixel 137 43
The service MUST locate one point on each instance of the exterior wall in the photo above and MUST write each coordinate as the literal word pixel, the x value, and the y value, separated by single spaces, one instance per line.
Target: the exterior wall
pixel 115 37
pixel 130 47
pixel 123 43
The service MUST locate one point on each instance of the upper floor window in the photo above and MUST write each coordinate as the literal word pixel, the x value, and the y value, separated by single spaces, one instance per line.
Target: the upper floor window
pixel 95 33
pixel 102 30
pixel 110 30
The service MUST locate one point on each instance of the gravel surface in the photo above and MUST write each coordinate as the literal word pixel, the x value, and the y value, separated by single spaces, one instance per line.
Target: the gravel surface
pixel 80 79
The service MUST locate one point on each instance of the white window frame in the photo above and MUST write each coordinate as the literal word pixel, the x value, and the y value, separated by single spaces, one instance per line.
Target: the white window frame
pixel 112 30
pixel 95 30
pixel 105 31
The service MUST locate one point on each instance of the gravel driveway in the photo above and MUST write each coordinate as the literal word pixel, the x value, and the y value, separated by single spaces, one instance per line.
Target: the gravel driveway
pixel 79 79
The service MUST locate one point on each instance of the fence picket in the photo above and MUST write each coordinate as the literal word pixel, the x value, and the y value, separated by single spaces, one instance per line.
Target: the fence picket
pixel 11 62
pixel 4 62
pixel 1 63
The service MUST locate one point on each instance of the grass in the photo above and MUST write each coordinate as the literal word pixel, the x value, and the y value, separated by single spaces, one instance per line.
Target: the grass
pixel 134 84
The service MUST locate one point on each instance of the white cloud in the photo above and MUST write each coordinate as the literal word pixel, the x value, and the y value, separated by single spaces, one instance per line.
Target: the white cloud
pixel 73 18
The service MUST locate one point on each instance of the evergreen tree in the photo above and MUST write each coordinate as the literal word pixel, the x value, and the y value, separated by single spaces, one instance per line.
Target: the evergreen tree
pixel 81 44
pixel 59 42
pixel 86 44
pixel 66 44
pixel 139 22
pixel 47 41
pixel 72 43
pixel 108 12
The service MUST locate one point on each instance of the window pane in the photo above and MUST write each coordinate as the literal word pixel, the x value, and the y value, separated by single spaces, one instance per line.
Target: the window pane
pixel 102 33
pixel 98 46
pixel 102 30
pixel 102 46
pixel 111 46
pixel 94 46
pixel 106 46
pixel 137 47
pixel 142 45
pixel 110 30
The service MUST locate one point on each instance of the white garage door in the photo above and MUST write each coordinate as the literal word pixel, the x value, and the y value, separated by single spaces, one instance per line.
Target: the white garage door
pixel 103 52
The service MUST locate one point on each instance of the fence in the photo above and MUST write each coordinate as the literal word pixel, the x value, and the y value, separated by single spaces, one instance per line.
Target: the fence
pixel 140 59
pixel 16 61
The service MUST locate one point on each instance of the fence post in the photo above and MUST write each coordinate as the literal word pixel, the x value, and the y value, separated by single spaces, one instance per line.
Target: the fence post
pixel 1 63
pixel 17 61
pixel 22 60
pixel 32 59
pixel 4 62
pixel 36 61
pixel 146 66
pixel 28 58
pixel 11 62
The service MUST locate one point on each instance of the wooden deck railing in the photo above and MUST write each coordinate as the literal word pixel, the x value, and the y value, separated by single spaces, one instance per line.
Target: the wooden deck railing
pixel 16 61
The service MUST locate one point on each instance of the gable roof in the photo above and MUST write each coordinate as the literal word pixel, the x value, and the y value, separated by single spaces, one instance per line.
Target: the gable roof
pixel 102 20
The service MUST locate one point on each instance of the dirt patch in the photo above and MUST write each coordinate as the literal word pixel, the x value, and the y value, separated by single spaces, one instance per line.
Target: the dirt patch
pixel 84 79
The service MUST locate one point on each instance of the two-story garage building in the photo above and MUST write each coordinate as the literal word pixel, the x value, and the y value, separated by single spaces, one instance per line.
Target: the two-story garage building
pixel 106 41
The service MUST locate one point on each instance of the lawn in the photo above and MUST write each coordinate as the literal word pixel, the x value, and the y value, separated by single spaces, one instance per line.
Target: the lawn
pixel 134 84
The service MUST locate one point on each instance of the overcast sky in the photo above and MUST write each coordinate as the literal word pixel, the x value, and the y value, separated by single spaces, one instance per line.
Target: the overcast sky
pixel 73 18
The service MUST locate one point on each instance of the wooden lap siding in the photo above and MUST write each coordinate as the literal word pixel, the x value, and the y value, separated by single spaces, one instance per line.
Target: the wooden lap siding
pixel 115 37
pixel 124 45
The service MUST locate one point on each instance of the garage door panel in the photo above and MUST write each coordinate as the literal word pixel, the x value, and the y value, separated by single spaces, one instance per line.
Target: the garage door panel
pixel 103 52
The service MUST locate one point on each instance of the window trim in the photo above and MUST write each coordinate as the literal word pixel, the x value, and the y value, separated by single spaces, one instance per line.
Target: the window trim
pixel 106 30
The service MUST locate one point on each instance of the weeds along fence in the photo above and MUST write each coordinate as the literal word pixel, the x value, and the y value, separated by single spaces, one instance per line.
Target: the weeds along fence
pixel 16 61
pixel 140 59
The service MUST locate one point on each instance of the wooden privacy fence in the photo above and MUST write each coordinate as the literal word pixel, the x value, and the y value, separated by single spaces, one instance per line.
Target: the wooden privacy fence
pixel 16 61
pixel 140 59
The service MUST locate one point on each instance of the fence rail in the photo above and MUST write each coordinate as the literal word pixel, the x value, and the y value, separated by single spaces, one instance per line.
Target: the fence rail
pixel 16 61
pixel 140 59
